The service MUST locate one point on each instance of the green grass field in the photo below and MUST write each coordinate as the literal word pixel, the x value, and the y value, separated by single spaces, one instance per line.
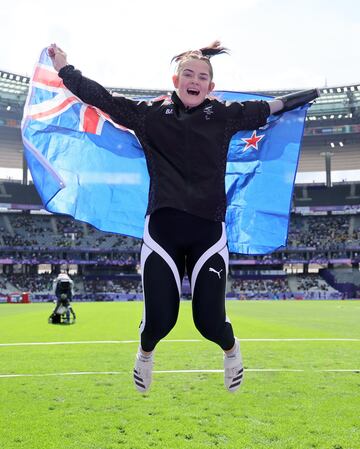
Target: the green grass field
pixel 79 394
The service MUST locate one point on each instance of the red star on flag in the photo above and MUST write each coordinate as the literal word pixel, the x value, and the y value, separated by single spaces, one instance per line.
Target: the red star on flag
pixel 252 141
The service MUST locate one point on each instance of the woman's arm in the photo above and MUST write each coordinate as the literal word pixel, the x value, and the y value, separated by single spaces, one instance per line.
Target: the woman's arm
pixel 292 101
pixel 87 90
pixel 122 110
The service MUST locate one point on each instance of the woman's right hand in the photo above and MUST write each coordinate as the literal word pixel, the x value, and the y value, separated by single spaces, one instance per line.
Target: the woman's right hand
pixel 57 56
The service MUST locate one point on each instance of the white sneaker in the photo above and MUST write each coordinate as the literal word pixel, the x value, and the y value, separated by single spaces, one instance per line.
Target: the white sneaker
pixel 233 369
pixel 143 373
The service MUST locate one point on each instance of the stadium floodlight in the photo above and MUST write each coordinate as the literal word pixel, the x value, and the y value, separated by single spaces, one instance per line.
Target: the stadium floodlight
pixel 338 89
pixel 352 88
pixel 341 144
pixel 332 144
pixel 8 108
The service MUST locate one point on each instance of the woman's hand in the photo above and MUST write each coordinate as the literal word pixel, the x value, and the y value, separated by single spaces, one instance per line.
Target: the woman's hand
pixel 58 57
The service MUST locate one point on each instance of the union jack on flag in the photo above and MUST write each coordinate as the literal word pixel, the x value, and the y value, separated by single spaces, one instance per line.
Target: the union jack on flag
pixel 82 163
pixel 86 166
pixel 91 119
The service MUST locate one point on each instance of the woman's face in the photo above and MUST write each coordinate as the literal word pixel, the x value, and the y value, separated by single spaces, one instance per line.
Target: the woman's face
pixel 193 82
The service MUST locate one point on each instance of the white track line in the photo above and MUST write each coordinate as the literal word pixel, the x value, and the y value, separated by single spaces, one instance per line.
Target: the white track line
pixel 190 371
pixel 103 342
pixel 90 342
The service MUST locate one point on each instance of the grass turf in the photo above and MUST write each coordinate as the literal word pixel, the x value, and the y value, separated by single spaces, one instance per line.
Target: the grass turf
pixel 305 409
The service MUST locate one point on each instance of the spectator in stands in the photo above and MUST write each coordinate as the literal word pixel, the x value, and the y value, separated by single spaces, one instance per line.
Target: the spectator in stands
pixel 185 216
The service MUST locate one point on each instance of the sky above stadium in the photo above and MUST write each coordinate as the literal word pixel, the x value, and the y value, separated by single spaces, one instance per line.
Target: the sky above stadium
pixel 274 44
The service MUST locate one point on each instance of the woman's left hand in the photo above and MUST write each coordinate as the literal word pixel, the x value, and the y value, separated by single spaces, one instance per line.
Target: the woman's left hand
pixel 58 57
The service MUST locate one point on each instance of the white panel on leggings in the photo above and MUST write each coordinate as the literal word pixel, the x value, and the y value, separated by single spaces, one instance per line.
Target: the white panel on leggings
pixel 145 253
pixel 161 252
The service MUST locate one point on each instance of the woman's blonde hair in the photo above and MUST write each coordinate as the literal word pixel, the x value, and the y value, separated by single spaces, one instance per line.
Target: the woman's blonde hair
pixel 203 54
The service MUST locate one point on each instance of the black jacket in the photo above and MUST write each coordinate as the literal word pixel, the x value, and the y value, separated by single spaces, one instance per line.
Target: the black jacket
pixel 185 149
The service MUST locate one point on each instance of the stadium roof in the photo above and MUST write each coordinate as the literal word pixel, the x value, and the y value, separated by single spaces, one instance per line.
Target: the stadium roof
pixel 340 102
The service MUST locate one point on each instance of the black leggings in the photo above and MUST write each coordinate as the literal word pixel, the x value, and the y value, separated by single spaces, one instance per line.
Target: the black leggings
pixel 172 241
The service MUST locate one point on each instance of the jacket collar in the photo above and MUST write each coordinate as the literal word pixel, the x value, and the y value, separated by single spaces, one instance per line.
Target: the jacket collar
pixel 176 100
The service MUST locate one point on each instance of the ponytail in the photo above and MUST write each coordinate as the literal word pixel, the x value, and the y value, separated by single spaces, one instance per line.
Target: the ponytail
pixel 203 54
pixel 206 52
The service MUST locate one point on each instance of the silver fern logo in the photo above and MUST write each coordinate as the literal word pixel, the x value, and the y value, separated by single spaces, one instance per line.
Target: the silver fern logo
pixel 208 110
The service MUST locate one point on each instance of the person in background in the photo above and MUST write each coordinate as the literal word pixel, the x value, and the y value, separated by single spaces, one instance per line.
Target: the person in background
pixel 64 292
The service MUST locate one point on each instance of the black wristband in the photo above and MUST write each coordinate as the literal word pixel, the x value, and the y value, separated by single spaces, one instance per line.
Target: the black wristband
pixel 296 99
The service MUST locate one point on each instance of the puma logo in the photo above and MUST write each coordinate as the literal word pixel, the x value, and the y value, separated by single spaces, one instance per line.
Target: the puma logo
pixel 217 272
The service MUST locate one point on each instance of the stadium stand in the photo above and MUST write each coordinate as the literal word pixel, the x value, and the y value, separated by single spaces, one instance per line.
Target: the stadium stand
pixel 320 261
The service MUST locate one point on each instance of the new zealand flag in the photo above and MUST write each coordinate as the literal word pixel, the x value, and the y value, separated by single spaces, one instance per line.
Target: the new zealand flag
pixel 86 166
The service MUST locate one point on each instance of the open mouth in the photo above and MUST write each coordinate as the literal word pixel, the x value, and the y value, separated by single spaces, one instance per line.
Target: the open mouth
pixel 194 92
